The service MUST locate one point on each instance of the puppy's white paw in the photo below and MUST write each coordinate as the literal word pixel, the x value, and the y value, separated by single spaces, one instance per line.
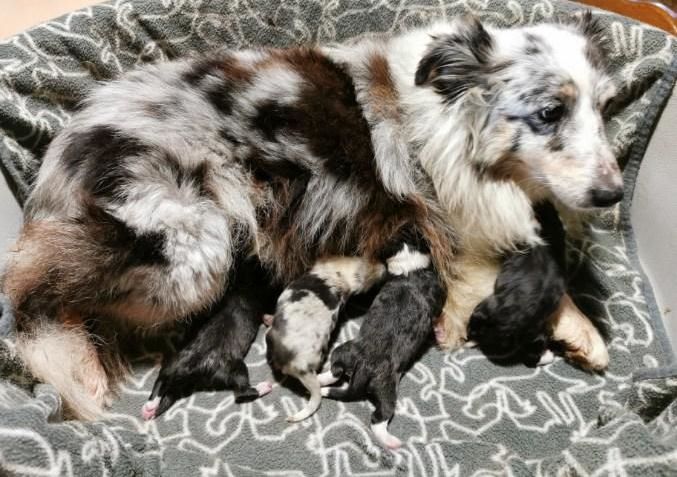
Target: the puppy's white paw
pixel 326 378
pixel 547 358
pixel 381 433
pixel 470 344
pixel 263 388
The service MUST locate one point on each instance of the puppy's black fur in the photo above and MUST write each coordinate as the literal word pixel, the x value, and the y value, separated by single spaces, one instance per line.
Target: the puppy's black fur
pixel 396 329
pixel 211 356
pixel 512 325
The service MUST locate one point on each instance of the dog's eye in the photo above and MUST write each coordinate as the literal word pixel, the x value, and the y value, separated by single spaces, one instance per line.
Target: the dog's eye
pixel 551 114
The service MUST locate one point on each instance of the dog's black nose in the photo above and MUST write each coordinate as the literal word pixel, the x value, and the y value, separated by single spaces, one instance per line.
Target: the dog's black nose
pixel 606 197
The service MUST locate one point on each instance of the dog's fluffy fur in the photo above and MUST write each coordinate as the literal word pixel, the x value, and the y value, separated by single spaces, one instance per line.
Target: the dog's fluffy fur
pixel 306 315
pixel 165 175
pixel 211 355
pixel 395 330
pixel 505 119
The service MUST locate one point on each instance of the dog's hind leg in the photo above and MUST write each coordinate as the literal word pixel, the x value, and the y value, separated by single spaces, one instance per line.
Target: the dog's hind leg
pixel 384 397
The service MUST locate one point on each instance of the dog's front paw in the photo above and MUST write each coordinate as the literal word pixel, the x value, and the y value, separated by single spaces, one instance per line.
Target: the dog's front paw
pixel 449 334
pixel 583 344
pixel 588 350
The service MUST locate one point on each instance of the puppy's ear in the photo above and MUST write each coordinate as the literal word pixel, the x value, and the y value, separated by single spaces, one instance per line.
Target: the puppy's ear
pixel 457 62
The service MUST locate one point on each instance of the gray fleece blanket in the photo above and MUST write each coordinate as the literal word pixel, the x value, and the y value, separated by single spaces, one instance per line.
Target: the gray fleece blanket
pixel 458 413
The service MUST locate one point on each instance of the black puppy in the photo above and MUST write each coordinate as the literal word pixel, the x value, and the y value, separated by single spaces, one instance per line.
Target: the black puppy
pixel 512 325
pixel 396 329
pixel 211 357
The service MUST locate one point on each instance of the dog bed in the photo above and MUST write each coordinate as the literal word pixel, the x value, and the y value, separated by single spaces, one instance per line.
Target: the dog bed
pixel 458 413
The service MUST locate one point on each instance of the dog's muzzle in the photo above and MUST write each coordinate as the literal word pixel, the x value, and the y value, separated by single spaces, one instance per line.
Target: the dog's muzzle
pixel 606 197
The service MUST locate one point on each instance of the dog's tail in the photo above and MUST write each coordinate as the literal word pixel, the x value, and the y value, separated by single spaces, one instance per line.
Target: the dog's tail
pixel 56 268
pixel 312 384
pixel 62 356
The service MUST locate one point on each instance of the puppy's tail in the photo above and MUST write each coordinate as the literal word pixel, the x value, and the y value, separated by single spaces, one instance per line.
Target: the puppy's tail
pixel 312 384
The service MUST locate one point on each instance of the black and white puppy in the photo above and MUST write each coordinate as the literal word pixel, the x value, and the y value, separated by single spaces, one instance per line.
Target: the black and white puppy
pixel 306 315
pixel 395 330
pixel 211 356
pixel 513 324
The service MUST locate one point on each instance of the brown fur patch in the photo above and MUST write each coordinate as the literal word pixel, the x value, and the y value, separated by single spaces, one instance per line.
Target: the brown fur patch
pixel 568 91
pixel 234 70
pixel 382 88
pixel 331 119
pixel 508 168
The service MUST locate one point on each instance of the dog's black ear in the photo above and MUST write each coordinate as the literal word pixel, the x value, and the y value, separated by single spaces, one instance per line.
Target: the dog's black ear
pixel 457 62
pixel 586 23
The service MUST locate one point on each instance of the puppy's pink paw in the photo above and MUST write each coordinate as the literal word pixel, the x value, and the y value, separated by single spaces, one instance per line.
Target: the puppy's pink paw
pixel 263 388
pixel 388 440
pixel 149 409
pixel 268 319
pixel 440 334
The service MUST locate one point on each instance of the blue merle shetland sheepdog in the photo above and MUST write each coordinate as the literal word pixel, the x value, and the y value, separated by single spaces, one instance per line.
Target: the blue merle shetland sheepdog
pixel 168 173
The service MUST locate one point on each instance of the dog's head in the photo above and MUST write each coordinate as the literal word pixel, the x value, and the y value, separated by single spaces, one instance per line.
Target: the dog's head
pixel 539 94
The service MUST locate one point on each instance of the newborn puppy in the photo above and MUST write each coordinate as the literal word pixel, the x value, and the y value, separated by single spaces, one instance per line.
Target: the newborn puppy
pixel 395 330
pixel 513 325
pixel 212 353
pixel 306 315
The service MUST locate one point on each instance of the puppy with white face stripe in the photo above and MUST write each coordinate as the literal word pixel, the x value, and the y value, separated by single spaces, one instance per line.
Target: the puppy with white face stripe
pixel 306 315
pixel 396 329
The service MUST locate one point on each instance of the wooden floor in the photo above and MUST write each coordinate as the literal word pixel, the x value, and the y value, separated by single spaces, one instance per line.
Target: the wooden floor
pixel 661 14
pixel 17 15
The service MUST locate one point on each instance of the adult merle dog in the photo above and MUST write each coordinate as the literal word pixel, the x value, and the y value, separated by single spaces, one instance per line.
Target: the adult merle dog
pixel 166 176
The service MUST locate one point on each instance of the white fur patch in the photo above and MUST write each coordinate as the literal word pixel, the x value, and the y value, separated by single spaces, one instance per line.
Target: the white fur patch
pixel 406 261
pixel 326 378
pixel 381 433
pixel 349 274
pixel 547 358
